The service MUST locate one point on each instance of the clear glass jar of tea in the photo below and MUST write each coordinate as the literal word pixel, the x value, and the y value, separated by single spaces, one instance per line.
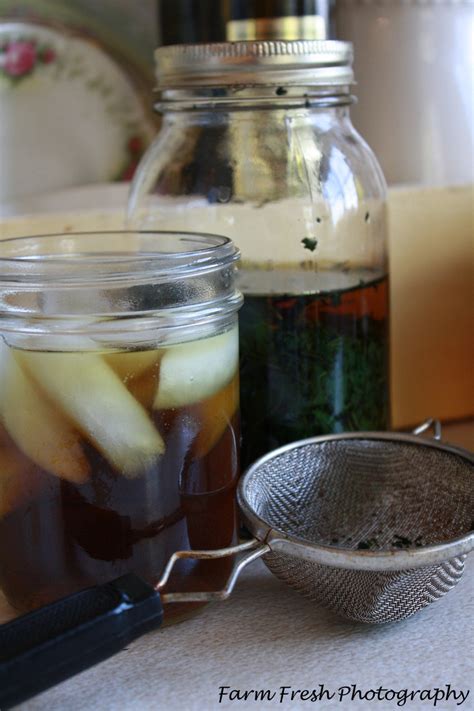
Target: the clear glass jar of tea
pixel 119 422
pixel 257 144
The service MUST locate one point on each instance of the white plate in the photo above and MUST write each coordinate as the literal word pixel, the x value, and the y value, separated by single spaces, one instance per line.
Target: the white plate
pixel 69 113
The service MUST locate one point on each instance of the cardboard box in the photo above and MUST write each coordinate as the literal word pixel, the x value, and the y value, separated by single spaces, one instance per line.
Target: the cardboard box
pixel 432 300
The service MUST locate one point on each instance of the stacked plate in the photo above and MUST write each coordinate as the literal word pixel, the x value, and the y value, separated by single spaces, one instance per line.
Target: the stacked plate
pixel 70 113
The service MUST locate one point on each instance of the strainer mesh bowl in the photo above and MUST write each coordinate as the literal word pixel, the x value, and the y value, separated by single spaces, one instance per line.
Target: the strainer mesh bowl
pixel 372 495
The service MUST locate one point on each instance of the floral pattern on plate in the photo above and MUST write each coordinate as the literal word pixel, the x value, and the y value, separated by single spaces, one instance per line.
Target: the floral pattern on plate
pixel 19 58
pixel 70 114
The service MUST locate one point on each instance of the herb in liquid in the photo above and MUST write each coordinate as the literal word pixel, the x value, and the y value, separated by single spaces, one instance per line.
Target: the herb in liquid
pixel 313 364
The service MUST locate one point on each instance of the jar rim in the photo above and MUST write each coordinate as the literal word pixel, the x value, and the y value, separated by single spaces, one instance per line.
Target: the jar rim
pixel 149 286
pixel 254 63
pixel 112 256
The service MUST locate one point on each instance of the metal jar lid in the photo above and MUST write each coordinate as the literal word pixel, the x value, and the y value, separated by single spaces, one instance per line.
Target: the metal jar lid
pixel 290 63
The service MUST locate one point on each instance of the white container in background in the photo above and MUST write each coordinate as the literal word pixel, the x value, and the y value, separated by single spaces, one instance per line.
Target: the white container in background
pixel 414 63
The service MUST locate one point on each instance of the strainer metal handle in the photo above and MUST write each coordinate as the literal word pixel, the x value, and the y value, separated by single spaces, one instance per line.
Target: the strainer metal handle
pixel 425 426
pixel 252 550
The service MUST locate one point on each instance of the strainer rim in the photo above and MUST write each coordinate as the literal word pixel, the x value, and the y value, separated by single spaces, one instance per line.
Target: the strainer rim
pixel 348 558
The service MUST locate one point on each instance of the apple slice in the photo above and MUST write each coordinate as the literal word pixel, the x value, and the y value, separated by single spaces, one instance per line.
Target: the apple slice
pixel 96 400
pixel 194 371
pixel 131 364
pixel 36 426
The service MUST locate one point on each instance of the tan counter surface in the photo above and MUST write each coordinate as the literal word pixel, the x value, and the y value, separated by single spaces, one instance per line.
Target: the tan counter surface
pixel 266 636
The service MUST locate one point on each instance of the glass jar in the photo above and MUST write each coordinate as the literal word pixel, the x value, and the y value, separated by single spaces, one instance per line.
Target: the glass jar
pixel 119 415
pixel 257 144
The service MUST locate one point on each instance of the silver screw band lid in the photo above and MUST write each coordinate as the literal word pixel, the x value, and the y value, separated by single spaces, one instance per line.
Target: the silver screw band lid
pixel 295 63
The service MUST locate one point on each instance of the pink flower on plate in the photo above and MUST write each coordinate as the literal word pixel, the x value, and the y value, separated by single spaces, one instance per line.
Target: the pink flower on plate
pixel 135 145
pixel 19 58
pixel 48 55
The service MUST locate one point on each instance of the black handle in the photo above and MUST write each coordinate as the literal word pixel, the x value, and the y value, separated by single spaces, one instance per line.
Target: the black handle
pixel 55 642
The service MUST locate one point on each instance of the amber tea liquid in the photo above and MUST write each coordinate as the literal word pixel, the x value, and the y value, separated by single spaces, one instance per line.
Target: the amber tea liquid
pixel 124 496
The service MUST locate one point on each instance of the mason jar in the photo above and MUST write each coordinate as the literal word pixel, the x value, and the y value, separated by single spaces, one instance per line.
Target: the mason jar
pixel 119 399
pixel 257 144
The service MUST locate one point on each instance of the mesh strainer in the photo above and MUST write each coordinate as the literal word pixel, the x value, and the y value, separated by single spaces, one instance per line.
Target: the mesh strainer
pixel 373 525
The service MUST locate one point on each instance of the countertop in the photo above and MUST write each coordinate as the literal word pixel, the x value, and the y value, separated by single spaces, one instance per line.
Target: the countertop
pixel 266 637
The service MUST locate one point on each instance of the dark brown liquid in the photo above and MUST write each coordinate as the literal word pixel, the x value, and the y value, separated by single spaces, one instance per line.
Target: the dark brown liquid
pixel 313 364
pixel 57 537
